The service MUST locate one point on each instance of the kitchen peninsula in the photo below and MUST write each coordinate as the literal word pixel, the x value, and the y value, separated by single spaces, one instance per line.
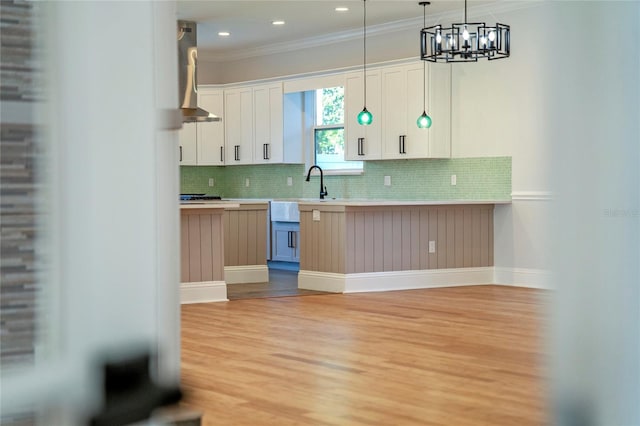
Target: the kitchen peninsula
pixel 222 242
pixel 353 246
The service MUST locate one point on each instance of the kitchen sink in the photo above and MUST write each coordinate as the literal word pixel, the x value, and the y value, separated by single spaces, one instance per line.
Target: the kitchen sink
pixel 285 211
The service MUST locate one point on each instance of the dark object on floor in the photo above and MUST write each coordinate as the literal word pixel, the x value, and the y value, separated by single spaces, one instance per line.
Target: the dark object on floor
pixel 130 395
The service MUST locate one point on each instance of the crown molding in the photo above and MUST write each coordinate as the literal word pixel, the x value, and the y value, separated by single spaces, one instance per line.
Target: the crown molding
pixel 373 30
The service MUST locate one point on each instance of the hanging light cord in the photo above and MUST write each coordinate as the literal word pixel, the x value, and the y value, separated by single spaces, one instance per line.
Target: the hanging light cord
pixel 424 63
pixel 364 31
pixel 465 12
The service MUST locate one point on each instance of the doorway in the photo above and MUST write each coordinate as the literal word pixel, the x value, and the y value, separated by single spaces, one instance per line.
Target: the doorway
pixel 283 282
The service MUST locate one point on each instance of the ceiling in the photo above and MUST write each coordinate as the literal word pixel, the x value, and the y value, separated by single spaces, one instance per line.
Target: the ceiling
pixel 249 22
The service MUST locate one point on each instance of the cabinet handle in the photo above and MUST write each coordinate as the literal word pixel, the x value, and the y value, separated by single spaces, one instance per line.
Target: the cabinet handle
pixel 360 146
pixel 289 239
pixel 222 154
pixel 401 141
pixel 294 239
pixel 180 154
pixel 236 149
pixel 265 151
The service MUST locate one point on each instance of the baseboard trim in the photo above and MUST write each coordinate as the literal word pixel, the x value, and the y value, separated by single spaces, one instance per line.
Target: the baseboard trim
pixel 321 281
pixel 522 277
pixel 246 274
pixel 203 292
pixel 409 280
pixel 394 280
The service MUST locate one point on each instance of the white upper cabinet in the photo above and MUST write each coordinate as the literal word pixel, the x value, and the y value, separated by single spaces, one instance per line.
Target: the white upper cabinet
pixel 263 125
pixel 440 110
pixel 362 142
pixel 402 93
pixel 187 144
pixel 201 144
pixel 238 128
pixel 210 139
pixel 403 102
pixel 268 123
pixel 254 129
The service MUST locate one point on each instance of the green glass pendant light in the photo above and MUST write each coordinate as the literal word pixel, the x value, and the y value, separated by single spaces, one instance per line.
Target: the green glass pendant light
pixel 365 117
pixel 424 121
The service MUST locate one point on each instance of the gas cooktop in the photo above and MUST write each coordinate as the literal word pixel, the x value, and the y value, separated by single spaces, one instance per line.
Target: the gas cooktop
pixel 193 197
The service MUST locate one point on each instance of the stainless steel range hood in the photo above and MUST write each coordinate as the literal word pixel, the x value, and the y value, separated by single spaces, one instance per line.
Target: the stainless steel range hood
pixel 187 61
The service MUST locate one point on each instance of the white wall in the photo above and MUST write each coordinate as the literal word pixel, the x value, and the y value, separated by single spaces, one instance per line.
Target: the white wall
pixel 497 109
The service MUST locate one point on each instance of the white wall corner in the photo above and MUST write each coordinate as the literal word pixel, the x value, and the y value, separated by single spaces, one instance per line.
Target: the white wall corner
pixel 523 277
pixel 203 292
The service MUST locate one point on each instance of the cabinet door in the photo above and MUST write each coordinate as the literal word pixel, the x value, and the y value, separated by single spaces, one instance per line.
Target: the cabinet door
pixel 362 142
pixel 268 123
pixel 296 245
pixel 394 111
pixel 187 144
pixel 416 143
pixel 403 92
pixel 285 241
pixel 211 135
pixel 440 110
pixel 238 128
pixel 293 127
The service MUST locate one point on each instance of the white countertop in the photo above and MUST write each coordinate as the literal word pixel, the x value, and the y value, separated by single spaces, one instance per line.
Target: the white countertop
pixel 364 203
pixel 235 202
pixel 208 204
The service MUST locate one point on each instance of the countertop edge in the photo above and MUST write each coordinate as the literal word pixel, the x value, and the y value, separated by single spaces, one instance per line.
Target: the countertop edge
pixel 209 205
pixel 383 203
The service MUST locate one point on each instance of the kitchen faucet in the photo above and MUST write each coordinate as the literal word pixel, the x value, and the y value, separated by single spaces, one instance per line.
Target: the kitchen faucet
pixel 322 192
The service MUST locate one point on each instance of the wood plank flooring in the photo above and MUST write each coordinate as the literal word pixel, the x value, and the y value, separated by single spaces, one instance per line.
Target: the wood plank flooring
pixel 450 356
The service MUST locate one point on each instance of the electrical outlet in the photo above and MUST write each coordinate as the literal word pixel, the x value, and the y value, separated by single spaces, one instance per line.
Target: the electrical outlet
pixel 247 183
pixel 454 180
pixel 432 246
pixel 316 215
pixel 387 181
pixel 211 182
pixel 289 181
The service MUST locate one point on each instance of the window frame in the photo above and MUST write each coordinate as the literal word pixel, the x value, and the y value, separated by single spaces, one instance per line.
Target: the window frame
pixel 311 139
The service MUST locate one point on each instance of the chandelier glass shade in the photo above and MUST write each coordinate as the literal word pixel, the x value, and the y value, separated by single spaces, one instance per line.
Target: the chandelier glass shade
pixel 466 42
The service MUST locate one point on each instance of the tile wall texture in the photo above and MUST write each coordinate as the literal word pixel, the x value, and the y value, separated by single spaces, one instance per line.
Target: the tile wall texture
pixel 486 178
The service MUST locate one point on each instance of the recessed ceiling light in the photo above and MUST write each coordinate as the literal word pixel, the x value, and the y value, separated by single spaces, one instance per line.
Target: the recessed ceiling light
pixel 342 9
pixel 277 22
pixel 224 34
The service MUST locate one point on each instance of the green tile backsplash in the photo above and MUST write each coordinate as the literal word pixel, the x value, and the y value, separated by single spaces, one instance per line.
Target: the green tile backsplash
pixel 484 178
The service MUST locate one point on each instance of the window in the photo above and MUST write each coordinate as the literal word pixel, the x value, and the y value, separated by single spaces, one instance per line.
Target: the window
pixel 328 131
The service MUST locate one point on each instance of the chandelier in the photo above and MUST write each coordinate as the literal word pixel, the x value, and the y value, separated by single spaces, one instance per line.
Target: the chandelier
pixel 465 42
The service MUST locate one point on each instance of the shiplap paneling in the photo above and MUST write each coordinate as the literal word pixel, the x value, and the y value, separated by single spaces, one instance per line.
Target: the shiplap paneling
pixel 245 235
pixel 328 255
pixel 201 246
pixel 380 239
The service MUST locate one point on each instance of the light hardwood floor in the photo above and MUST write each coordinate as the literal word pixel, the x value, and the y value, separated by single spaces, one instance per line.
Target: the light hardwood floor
pixel 450 356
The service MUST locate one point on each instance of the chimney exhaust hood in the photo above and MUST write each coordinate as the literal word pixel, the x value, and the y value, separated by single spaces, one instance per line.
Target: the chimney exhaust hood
pixel 187 60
